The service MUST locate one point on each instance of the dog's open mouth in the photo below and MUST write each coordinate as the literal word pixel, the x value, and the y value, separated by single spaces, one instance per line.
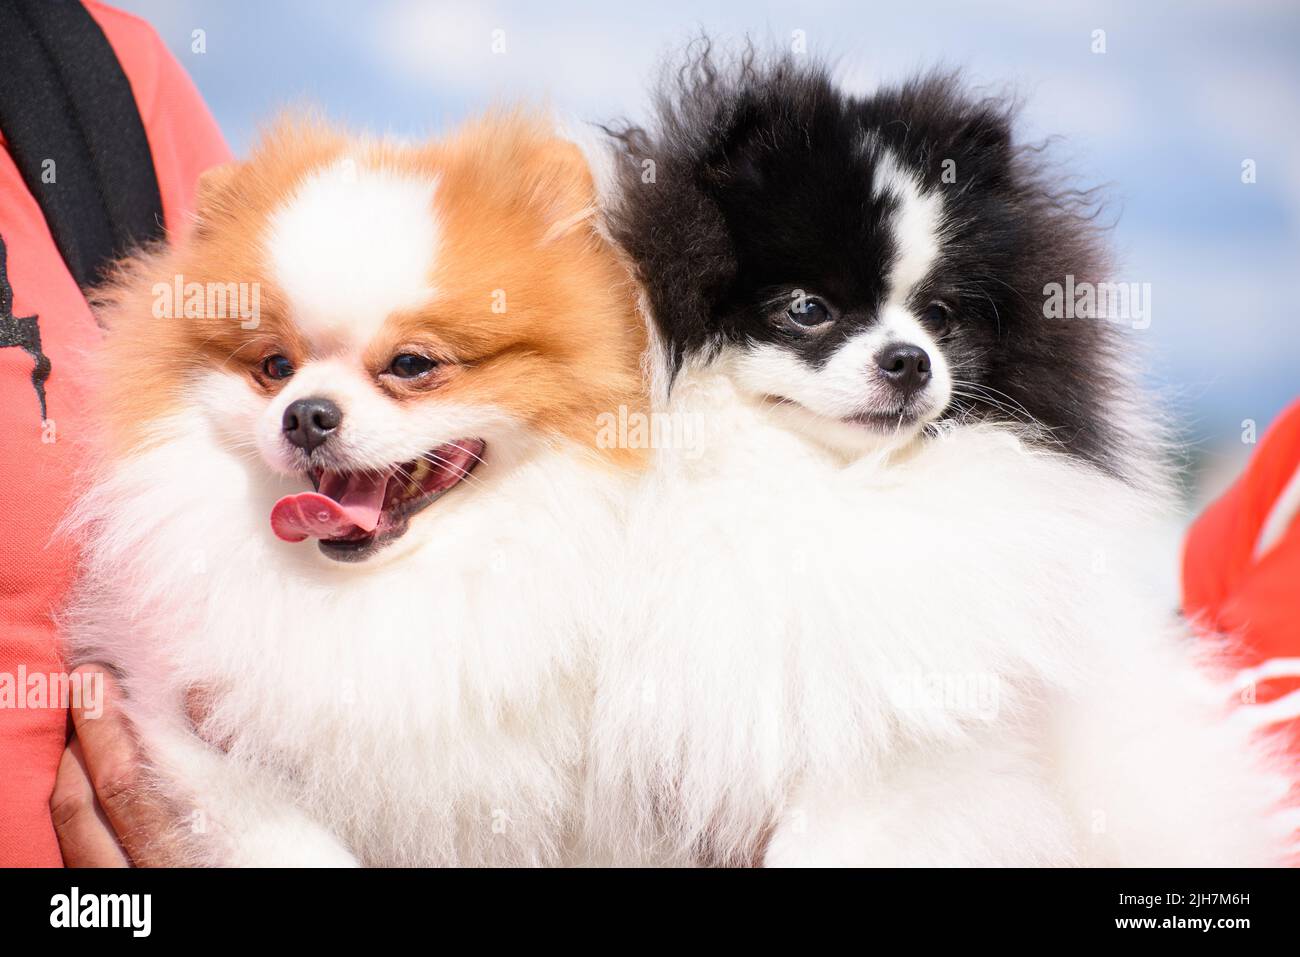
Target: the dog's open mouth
pixel 353 513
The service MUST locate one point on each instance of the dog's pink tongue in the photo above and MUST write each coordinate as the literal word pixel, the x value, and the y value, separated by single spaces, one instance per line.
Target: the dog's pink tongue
pixel 348 503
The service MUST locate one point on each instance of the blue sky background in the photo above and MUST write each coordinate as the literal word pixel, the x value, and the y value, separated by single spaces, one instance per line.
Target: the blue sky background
pixel 1183 94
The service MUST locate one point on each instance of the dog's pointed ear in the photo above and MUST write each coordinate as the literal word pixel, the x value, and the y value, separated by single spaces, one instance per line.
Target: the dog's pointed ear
pixel 933 118
pixel 773 125
pixel 982 146
pixel 563 188
pixel 986 132
pixel 737 159
pixel 212 198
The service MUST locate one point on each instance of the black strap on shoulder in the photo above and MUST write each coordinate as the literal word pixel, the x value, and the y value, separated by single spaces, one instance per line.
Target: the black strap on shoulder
pixel 75 134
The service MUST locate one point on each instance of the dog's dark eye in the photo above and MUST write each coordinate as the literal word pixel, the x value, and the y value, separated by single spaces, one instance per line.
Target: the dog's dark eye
pixel 809 311
pixel 277 367
pixel 408 365
pixel 936 317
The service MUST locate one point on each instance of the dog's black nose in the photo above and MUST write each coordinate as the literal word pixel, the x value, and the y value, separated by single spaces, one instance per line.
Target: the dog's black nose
pixel 308 422
pixel 906 367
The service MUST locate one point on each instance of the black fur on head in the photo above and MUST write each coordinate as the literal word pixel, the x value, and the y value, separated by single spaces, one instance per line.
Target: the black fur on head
pixel 755 178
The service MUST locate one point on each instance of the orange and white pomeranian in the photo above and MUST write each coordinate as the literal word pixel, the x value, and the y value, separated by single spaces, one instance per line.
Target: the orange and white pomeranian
pixel 362 517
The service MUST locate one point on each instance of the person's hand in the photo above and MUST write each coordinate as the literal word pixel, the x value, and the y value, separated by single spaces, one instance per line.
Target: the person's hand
pixel 105 814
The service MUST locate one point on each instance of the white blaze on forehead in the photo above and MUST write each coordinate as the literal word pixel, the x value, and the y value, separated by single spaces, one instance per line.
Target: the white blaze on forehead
pixel 351 246
pixel 916 225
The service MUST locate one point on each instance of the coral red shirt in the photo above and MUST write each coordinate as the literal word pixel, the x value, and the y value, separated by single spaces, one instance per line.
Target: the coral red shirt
pixel 1241 570
pixel 38 458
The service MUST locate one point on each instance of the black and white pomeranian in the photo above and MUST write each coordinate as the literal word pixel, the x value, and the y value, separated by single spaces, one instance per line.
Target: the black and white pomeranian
pixel 892 604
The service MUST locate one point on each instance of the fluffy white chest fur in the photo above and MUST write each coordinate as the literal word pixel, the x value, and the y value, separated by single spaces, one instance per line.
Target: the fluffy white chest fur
pixel 948 659
pixel 429 710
